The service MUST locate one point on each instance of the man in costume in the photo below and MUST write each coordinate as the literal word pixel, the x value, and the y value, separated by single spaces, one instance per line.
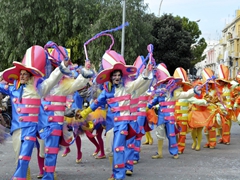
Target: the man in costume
pixel 138 106
pixel 117 96
pixel 51 117
pixel 26 89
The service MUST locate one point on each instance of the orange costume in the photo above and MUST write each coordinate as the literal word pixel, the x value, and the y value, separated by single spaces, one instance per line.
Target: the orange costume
pixel 225 103
pixel 181 109
pixel 236 98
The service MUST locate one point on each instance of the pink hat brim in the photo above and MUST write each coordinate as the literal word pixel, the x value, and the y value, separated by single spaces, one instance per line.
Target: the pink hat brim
pixel 104 75
pixel 13 73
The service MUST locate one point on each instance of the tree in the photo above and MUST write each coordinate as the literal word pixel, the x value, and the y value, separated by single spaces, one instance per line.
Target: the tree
pixel 172 43
pixel 137 34
pixel 29 22
pixel 70 24
pixel 199 45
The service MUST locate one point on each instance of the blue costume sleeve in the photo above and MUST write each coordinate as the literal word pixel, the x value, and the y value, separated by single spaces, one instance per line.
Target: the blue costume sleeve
pixel 101 101
pixel 3 90
pixel 153 103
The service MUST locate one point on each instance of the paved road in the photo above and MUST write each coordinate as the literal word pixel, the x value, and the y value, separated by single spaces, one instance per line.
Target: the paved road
pixel 222 163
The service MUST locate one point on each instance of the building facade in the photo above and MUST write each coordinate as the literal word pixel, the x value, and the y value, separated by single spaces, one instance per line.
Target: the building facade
pixel 225 51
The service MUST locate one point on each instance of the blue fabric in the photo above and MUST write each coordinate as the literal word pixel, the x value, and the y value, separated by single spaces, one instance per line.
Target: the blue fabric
pixel 78 101
pixel 51 159
pixel 129 153
pixel 169 124
pixel 25 150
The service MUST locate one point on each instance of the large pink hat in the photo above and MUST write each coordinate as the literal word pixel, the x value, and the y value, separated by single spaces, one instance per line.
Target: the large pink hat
pixel 163 75
pixel 34 62
pixel 139 64
pixel 111 61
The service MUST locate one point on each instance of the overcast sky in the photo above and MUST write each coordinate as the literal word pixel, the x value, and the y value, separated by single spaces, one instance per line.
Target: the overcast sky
pixel 213 14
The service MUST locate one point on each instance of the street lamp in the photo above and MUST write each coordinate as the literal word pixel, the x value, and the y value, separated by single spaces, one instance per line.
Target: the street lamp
pixel 123 29
pixel 159 8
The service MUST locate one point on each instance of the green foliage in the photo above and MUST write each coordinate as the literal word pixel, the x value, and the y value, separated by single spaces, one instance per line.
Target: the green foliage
pixel 198 45
pixel 172 43
pixel 70 24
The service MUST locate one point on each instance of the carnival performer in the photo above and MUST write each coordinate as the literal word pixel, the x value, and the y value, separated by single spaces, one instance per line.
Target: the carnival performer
pixel 181 110
pixel 25 89
pixel 225 104
pixel 51 117
pixel 169 89
pixel 137 108
pixel 99 121
pixel 236 96
pixel 142 121
pixel 98 124
pixel 72 102
pixel 117 96
pixel 75 101
pixel 211 95
pixel 2 108
pixel 203 112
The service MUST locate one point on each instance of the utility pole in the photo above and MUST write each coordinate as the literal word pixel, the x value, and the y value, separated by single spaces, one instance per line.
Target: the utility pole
pixel 159 8
pixel 123 29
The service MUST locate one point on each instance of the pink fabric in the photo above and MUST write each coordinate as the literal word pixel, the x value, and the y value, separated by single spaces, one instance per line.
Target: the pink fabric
pixel 28 101
pixel 54 107
pixel 28 110
pixel 120 98
pixel 56 98
pixel 28 119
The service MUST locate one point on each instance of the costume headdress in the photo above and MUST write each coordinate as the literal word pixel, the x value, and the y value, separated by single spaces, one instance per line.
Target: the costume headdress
pixel 181 73
pixel 57 55
pixel 103 33
pixel 112 61
pixel 163 75
pixel 141 63
pixel 223 73
pixel 34 62
pixel 207 74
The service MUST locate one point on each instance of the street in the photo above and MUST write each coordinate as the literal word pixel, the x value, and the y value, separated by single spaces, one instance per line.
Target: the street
pixel 222 163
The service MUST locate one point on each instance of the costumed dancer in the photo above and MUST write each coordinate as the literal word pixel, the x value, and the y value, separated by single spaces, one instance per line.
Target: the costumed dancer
pixel 51 117
pixel 75 101
pixel 181 110
pixel 99 121
pixel 168 91
pixel 117 96
pixel 141 114
pixel 25 90
pixel 140 64
pixel 211 95
pixel 236 96
pixel 225 103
